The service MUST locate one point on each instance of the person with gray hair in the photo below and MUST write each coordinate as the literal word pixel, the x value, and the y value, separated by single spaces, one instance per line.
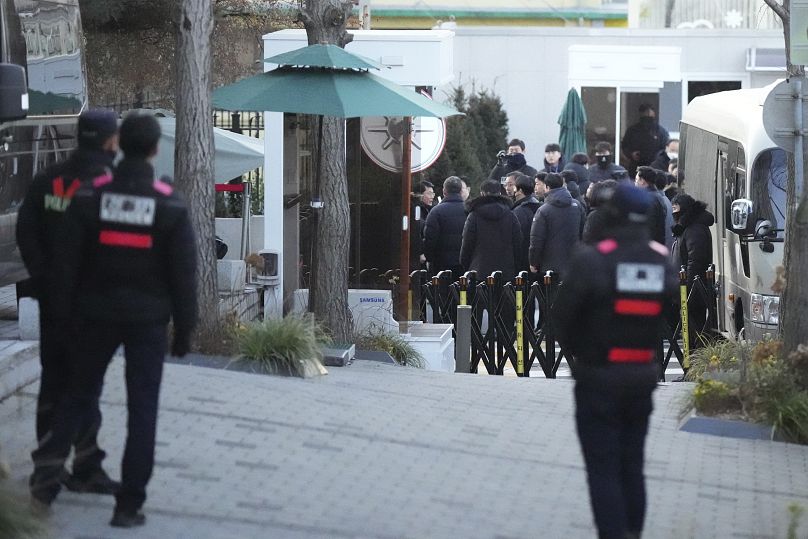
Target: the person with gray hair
pixel 443 230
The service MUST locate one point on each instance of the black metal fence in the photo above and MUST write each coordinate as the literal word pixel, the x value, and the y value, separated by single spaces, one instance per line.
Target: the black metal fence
pixel 512 321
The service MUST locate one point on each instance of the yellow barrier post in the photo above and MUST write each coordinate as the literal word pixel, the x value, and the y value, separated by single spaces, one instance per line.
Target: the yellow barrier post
pixel 464 284
pixel 520 326
pixel 683 315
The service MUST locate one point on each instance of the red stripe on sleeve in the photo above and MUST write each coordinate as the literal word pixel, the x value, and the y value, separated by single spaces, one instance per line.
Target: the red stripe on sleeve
pixel 115 238
pixel 630 355
pixel 637 307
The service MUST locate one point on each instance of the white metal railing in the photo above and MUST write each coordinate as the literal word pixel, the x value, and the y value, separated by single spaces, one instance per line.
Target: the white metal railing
pixel 752 14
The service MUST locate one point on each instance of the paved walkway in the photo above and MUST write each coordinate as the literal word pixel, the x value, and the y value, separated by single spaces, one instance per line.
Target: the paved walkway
pixel 377 451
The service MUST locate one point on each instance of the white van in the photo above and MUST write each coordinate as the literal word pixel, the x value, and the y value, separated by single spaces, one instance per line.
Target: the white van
pixel 727 160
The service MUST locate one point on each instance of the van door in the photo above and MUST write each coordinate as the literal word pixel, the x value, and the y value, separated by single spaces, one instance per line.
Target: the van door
pixel 720 240
pixel 735 259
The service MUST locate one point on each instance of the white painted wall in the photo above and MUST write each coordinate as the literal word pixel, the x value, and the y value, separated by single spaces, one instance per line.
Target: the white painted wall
pixel 528 68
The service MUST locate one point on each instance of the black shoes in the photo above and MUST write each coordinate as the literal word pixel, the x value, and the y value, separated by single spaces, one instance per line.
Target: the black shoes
pixel 97 483
pixel 123 518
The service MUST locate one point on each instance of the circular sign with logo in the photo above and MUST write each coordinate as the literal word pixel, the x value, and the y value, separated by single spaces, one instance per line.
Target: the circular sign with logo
pixel 382 137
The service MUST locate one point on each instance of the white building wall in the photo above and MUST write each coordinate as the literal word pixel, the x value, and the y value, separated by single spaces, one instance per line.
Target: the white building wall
pixel 528 67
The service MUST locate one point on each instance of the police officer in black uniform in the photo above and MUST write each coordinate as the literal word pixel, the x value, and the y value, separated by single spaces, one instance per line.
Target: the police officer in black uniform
pixel 606 313
pixel 39 227
pixel 130 262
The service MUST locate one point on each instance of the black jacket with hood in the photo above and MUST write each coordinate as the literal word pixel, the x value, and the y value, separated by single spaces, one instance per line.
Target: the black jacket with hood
pixel 491 237
pixel 555 231
pixel 612 171
pixel 692 245
pixel 609 310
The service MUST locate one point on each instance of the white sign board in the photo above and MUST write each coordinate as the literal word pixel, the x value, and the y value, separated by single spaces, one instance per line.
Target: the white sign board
pixel 798 32
pixel 778 113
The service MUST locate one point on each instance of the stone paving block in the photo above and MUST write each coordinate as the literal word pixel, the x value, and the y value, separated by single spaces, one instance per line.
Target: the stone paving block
pixel 406 454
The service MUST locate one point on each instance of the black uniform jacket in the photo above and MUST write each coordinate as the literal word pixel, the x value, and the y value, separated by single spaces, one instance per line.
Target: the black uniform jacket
pixel 40 217
pixel 129 254
pixel 443 233
pixel 609 307
pixel 693 241
pixel 491 237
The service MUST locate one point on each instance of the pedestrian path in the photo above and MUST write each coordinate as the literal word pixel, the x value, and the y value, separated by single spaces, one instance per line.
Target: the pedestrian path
pixel 378 451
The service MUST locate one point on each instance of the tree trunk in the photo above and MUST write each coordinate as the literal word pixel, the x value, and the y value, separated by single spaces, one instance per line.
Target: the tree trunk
pixel 794 299
pixel 669 5
pixel 193 152
pixel 330 284
pixel 325 22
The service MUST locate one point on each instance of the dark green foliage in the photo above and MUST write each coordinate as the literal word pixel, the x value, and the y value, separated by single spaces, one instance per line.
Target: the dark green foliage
pixel 394 344
pixel 473 140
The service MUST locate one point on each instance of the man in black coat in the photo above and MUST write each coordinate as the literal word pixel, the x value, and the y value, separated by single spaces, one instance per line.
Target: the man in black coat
pixel 596 226
pixel 491 235
pixel 422 198
pixel 443 230
pixel 693 249
pixel 605 167
pixel 511 160
pixel 524 208
pixel 606 315
pixel 556 229
pixel 657 216
pixel 643 140
pixel 664 156
pixel 553 158
pixel 579 164
pixel 40 226
pixel 128 265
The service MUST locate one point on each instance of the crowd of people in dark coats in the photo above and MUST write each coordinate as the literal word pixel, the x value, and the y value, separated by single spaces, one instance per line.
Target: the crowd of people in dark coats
pixel 531 220
pixel 552 208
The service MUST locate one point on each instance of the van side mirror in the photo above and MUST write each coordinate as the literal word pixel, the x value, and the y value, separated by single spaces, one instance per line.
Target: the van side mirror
pixel 741 216
pixel 764 229
pixel 13 93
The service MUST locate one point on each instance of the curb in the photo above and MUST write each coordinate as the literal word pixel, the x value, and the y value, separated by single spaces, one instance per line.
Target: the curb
pixel 19 366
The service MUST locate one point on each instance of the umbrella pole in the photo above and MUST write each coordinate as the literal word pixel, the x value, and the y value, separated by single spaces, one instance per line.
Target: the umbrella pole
pixel 406 188
pixel 316 205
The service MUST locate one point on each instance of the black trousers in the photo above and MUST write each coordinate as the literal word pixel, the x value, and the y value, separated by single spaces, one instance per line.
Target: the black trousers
pixel 612 408
pixel 57 363
pixel 145 348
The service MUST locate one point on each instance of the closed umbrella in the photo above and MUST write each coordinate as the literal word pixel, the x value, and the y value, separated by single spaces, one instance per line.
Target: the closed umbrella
pixel 326 80
pixel 572 136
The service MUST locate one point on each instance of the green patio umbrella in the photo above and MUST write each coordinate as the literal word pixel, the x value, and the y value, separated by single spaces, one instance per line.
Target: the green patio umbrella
pixel 347 93
pixel 324 55
pixel 572 136
pixel 326 80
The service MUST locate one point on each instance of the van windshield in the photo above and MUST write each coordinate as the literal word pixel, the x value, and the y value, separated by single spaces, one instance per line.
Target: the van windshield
pixel 769 181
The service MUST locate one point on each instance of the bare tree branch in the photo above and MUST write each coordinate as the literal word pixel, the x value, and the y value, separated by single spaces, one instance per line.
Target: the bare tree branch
pixel 778 8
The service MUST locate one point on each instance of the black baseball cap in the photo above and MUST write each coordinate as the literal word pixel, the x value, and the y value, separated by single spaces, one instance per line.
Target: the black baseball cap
pixel 95 127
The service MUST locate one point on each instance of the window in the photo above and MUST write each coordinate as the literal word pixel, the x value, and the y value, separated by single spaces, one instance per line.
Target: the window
pixel 769 182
